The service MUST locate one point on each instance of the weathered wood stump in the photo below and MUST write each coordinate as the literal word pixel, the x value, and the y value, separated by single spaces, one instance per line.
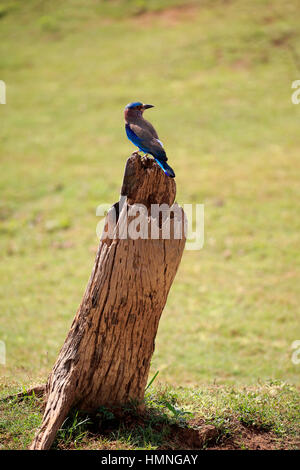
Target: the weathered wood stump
pixel 105 359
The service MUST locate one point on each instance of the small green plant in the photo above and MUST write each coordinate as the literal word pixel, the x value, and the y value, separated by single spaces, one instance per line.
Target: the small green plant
pixel 179 414
pixel 73 429
pixel 168 399
pixel 152 380
pixel 105 414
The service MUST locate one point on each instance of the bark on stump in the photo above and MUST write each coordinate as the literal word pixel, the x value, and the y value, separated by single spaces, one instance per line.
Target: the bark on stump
pixel 106 356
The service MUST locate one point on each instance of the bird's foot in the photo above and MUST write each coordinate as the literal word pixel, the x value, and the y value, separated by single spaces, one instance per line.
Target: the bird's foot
pixel 146 160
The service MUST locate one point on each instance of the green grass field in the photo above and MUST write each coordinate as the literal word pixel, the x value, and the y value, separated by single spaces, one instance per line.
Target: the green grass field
pixel 219 74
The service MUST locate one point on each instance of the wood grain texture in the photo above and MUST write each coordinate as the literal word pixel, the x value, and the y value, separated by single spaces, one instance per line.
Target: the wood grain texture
pixel 106 356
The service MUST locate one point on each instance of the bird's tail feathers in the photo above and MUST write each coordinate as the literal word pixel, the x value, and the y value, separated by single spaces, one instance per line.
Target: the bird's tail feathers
pixel 166 168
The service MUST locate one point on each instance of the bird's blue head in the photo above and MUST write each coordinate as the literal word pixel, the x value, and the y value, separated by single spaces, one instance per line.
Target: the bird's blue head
pixel 134 104
pixel 135 109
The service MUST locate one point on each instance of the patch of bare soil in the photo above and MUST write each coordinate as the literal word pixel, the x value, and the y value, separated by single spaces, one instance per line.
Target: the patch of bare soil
pixel 169 16
pixel 203 436
pixel 191 438
pixel 251 440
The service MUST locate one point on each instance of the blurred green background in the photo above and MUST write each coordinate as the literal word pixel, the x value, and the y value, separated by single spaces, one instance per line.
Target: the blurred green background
pixel 219 74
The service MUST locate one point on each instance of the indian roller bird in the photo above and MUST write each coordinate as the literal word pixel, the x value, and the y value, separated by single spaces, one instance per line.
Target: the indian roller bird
pixel 142 134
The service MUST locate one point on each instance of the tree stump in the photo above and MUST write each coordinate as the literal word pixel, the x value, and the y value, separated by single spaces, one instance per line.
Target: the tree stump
pixel 106 356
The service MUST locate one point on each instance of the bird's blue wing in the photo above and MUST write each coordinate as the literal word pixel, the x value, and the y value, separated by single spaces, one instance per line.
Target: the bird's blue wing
pixel 145 141
pixel 132 136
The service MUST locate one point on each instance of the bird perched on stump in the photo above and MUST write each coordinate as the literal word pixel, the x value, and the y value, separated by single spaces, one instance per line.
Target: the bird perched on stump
pixel 142 134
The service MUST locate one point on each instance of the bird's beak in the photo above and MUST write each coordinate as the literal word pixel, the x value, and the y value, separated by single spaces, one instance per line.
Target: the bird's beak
pixel 147 106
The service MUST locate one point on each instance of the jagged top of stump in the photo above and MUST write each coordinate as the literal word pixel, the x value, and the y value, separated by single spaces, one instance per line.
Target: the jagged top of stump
pixel 145 183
